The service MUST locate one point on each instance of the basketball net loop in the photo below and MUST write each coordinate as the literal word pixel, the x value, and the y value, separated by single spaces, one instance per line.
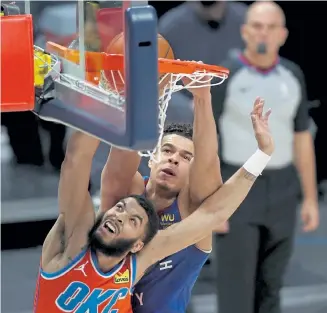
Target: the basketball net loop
pixel 112 93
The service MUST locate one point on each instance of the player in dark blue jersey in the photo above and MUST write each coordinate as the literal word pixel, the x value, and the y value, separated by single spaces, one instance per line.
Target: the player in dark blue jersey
pixel 187 173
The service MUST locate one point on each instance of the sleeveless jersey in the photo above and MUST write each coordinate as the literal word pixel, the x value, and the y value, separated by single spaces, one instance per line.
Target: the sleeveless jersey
pixel 81 287
pixel 167 286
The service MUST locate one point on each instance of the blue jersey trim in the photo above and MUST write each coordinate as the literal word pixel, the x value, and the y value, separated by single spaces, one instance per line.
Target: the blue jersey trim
pixel 110 273
pixel 64 270
pixel 133 268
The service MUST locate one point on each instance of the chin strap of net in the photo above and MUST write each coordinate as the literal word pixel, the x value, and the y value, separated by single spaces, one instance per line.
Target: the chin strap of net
pixel 168 83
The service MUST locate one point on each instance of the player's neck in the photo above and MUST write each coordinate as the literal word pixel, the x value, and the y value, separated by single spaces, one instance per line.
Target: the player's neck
pixel 106 263
pixel 161 199
pixel 262 61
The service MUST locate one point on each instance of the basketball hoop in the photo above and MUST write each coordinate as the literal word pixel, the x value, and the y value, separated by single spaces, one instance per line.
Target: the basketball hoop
pixel 170 73
pixel 111 86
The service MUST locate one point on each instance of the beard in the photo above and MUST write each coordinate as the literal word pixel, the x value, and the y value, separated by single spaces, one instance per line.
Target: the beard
pixel 116 248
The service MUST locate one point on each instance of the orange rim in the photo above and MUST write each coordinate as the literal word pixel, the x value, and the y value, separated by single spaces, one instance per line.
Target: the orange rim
pixel 97 61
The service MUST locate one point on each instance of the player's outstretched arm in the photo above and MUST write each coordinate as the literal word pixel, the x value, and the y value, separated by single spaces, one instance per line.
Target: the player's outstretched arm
pixel 120 177
pixel 217 208
pixel 205 176
pixel 76 213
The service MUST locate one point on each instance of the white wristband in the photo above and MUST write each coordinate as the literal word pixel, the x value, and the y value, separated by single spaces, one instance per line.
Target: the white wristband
pixel 257 163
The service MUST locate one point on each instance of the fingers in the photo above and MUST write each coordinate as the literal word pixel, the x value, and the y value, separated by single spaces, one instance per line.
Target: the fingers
pixel 186 81
pixel 310 222
pixel 267 114
pixel 258 107
pixel 204 80
pixel 307 224
pixel 254 119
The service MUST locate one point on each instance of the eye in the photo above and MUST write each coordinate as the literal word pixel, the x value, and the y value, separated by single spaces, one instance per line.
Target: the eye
pixel 119 206
pixel 133 220
pixel 187 157
pixel 166 150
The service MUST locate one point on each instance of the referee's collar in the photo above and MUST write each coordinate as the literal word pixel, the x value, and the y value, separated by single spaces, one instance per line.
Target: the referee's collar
pixel 244 60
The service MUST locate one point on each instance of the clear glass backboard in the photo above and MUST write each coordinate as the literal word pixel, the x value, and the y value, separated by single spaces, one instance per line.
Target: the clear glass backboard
pixel 82 31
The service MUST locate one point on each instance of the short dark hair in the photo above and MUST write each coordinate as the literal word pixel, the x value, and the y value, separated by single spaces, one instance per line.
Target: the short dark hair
pixel 181 129
pixel 152 226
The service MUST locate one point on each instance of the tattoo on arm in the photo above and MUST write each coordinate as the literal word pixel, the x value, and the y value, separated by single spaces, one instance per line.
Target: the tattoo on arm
pixel 249 176
pixel 64 241
pixel 63 246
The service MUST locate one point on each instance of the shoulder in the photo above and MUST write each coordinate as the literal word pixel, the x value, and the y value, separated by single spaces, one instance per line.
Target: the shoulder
pixel 238 9
pixel 233 61
pixel 294 68
pixel 175 17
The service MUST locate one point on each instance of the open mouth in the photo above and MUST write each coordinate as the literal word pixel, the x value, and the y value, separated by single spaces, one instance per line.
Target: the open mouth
pixel 111 227
pixel 169 172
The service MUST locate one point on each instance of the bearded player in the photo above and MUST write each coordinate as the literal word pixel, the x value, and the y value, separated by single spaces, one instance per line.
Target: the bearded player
pixel 188 172
pixel 90 265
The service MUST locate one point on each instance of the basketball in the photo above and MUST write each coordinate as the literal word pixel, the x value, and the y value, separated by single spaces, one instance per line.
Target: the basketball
pixel 117 47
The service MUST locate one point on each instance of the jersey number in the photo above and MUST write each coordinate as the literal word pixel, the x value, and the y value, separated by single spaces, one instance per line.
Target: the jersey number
pixel 78 298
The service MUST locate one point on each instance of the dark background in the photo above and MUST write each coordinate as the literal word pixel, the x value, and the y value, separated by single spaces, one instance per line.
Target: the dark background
pixel 306 21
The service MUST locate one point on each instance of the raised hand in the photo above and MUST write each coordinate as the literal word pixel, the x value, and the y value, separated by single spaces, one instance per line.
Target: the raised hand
pixel 261 127
pixel 200 88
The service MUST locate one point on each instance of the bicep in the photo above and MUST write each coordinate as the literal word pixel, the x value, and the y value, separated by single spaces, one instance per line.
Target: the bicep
pixel 54 242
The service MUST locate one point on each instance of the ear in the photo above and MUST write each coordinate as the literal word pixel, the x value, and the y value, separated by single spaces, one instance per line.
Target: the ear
pixel 137 246
pixel 284 36
pixel 150 163
pixel 243 32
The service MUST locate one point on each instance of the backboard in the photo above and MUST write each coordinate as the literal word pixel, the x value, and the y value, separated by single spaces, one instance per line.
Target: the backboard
pixel 80 102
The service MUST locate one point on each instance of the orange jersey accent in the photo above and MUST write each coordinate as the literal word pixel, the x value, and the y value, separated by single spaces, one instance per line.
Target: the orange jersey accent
pixel 81 287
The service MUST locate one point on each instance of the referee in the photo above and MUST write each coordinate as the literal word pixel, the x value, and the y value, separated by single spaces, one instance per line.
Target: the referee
pixel 253 255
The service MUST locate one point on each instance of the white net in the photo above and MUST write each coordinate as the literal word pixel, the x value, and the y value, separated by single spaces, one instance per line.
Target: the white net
pixel 113 82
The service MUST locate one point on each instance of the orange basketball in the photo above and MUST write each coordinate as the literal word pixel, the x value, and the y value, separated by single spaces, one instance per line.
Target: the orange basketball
pixel 117 47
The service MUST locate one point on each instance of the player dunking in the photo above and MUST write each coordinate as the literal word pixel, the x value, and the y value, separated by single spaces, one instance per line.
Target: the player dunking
pixel 89 265
pixel 188 172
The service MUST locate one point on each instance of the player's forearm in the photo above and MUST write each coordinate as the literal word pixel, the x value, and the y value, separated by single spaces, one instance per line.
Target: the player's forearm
pixel 204 130
pixel 77 164
pixel 305 164
pixel 205 176
pixel 120 163
pixel 81 146
pixel 117 175
pixel 75 171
